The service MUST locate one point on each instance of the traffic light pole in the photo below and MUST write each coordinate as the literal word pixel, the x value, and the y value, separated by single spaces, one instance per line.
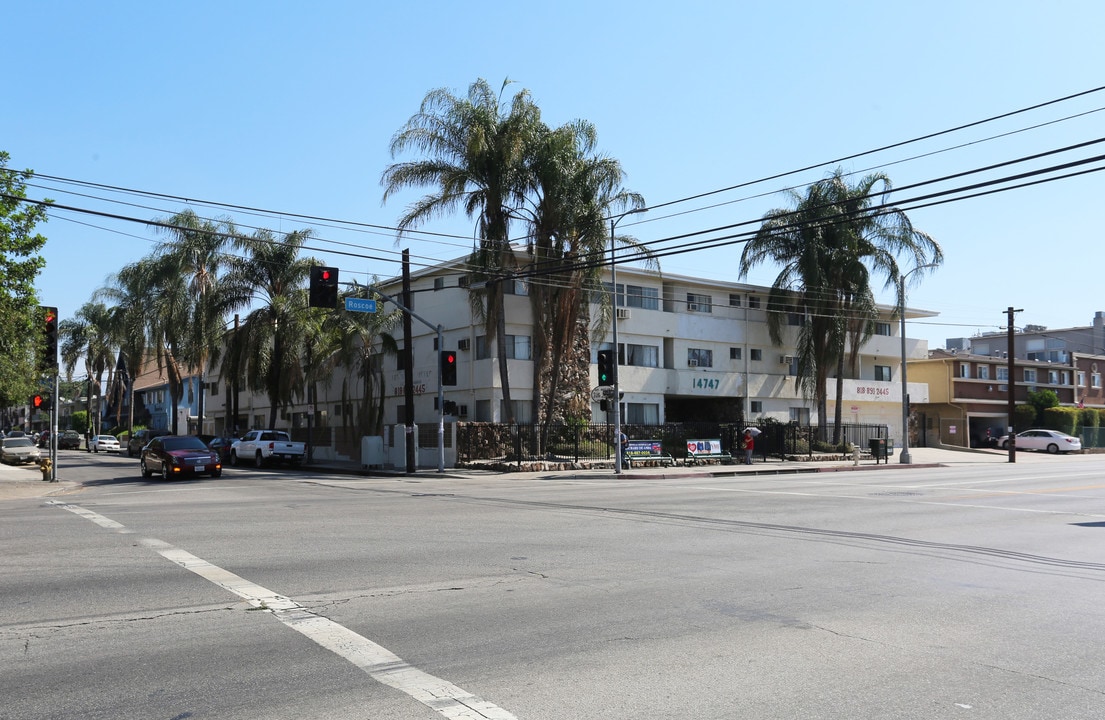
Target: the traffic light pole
pixel 440 388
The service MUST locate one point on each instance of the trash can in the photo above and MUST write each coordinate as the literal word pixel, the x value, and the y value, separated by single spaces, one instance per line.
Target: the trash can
pixel 878 449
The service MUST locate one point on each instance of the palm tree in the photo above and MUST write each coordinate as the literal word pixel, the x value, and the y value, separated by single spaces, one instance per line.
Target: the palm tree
pixel 127 327
pixel 476 158
pixel 872 233
pixel 357 341
pixel 829 244
pixel 196 249
pixel 87 337
pixel 266 350
pixel 573 190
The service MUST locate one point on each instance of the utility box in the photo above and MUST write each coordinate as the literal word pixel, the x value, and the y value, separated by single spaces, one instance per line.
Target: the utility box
pixel 879 449
pixel 372 451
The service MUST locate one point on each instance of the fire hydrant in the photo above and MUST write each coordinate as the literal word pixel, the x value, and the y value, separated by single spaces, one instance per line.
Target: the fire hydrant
pixel 46 467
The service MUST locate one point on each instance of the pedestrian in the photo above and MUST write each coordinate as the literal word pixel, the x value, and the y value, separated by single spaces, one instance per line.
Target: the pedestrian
pixel 747 444
pixel 622 440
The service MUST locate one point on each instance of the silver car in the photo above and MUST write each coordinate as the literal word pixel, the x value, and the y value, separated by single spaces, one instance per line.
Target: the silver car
pixel 19 450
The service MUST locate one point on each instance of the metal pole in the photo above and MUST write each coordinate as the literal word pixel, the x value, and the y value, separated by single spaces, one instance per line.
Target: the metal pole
pixel 906 459
pixel 1011 444
pixel 614 332
pixel 440 406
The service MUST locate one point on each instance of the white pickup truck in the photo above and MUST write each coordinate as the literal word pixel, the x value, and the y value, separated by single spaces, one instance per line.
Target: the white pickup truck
pixel 265 447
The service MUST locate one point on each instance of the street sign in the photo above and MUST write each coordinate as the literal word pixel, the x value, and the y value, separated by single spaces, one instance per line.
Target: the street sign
pixel 602 392
pixel 360 305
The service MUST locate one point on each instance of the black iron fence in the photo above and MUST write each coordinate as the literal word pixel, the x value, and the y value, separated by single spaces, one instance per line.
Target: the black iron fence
pixel 575 442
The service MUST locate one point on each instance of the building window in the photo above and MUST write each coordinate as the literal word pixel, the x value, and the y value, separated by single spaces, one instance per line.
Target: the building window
pixel 1030 375
pixel 1081 378
pixel 1095 380
pixel 983 372
pixel 1052 377
pixel 517 347
pixel 639 355
pixel 964 370
pixel 646 298
pixel 757 406
pixel 439 283
pixel 1002 373
pixel 882 372
pixel 483 411
pixel 882 328
pixel 753 302
pixel 1064 378
pixel 756 355
pixel 642 413
pixel 796 319
pixel 734 353
pixel 800 415
pixel 699 357
pixel 516 287
pixel 522 412
pixel 734 300
pixel 699 303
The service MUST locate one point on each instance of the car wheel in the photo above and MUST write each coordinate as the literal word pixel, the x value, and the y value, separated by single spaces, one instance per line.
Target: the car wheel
pixel 258 461
pixel 234 458
pixel 164 471
pixel 1053 448
pixel 145 470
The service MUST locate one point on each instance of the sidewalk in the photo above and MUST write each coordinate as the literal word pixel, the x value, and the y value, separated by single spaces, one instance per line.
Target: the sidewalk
pixel 25 481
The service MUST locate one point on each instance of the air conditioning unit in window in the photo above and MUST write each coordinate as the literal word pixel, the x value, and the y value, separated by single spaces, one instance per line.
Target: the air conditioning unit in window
pixel 693 362
pixel 786 359
pixel 464 344
pixel 623 313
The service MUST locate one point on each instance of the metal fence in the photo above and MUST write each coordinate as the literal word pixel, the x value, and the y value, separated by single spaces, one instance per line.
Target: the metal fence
pixel 595 441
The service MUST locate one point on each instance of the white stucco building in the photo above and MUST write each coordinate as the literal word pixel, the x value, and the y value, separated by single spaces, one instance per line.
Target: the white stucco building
pixel 689 349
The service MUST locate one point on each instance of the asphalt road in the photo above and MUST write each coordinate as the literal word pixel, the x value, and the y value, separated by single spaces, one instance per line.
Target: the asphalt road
pixel 971 591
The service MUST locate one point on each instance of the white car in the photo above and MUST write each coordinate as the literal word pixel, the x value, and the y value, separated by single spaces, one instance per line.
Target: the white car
pixel 1052 441
pixel 107 443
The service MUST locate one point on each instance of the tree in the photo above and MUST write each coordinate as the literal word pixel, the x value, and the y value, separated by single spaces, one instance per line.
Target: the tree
pixel 476 151
pixel 194 257
pixel 1041 400
pixel 267 349
pixel 829 245
pixel 572 191
pixel 87 336
pixel 20 264
pixel 358 341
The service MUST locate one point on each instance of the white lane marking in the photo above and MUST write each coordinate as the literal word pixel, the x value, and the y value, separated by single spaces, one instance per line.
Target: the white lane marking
pixel 378 662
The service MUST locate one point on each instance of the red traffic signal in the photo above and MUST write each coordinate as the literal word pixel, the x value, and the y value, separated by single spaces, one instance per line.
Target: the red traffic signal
pixel 40 402
pixel 448 367
pixel 323 292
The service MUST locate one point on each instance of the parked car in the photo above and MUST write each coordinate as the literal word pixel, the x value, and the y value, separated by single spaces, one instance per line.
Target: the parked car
pixel 107 443
pixel 179 455
pixel 1052 441
pixel 267 446
pixel 69 440
pixel 19 450
pixel 139 438
pixel 221 447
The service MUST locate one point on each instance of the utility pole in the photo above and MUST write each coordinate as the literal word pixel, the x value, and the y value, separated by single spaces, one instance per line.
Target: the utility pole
pixel 1012 444
pixel 408 365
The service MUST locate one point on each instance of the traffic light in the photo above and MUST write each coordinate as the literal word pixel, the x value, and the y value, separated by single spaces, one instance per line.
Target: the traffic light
pixel 324 287
pixel 40 402
pixel 49 359
pixel 606 367
pixel 448 367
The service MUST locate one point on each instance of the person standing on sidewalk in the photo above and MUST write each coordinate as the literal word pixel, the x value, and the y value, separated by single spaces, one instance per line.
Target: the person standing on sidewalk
pixel 747 444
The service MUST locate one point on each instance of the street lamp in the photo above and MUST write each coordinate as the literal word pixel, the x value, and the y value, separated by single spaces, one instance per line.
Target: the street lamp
pixel 905 457
pixel 614 220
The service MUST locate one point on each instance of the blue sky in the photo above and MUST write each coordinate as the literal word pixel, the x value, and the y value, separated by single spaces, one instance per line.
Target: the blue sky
pixel 290 108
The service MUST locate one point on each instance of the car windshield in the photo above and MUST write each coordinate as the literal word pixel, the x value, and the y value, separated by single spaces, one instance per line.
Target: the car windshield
pixel 183 443
pixel 17 442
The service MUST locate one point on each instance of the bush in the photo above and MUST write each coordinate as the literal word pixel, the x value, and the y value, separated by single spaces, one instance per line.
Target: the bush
pixel 1024 417
pixel 1063 419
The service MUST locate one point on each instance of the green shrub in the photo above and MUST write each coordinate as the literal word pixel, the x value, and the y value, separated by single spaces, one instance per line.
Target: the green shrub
pixel 1063 419
pixel 1024 417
